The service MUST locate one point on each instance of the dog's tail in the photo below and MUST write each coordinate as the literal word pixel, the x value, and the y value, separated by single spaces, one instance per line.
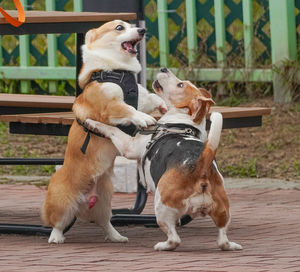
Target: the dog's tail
pixel 207 156
pixel 215 130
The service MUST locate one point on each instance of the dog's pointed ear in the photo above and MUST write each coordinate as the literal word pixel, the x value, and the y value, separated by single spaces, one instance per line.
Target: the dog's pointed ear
pixel 200 106
pixel 90 36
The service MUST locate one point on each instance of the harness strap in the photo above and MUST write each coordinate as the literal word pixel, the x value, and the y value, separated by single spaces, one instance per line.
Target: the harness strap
pixel 170 128
pixel 126 80
pixel 88 136
pixel 85 143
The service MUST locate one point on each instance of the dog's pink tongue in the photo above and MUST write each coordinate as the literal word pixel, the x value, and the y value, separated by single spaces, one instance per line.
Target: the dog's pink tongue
pixel 128 46
pixel 92 201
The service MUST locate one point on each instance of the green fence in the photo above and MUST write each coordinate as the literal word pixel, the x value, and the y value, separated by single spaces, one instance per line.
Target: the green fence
pixel 203 40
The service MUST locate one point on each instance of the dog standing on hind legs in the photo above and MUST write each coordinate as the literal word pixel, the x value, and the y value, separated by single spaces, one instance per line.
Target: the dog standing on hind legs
pixel 176 162
pixel 82 187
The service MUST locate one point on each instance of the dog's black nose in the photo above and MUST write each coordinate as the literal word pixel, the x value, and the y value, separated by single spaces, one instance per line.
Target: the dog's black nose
pixel 164 70
pixel 141 31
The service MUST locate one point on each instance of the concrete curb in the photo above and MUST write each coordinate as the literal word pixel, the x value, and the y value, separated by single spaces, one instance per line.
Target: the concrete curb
pixel 125 179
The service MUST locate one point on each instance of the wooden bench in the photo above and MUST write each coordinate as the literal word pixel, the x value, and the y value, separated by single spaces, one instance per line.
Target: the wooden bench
pixel 58 123
pixel 28 103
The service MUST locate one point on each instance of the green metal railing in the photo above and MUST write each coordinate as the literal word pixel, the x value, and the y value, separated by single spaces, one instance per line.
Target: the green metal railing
pixel 232 29
pixel 283 41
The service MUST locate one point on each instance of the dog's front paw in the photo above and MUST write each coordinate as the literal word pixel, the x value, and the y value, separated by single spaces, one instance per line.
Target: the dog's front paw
pixel 168 245
pixel 117 238
pixel 90 124
pixel 230 246
pixel 159 104
pixel 142 119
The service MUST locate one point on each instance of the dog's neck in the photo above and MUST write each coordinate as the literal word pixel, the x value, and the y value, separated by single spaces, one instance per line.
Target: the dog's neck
pixel 174 115
pixel 105 60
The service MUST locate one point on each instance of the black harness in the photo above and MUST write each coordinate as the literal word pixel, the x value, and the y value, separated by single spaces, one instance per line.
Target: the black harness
pixel 163 144
pixel 126 80
pixel 161 130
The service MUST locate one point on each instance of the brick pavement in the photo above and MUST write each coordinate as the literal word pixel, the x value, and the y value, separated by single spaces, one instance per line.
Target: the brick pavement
pixel 264 221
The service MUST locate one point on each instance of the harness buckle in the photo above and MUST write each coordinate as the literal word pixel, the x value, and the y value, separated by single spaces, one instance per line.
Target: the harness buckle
pixel 189 131
pixel 149 144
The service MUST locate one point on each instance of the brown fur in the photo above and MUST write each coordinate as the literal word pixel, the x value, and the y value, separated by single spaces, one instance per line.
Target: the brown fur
pixel 85 179
pixel 177 184
pixel 93 36
pixel 77 172
pixel 198 101
pixel 93 104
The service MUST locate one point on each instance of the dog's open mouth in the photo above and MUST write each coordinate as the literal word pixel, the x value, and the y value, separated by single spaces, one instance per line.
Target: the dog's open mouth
pixel 157 85
pixel 129 46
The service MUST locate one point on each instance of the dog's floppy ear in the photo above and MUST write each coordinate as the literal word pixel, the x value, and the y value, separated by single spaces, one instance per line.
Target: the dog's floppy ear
pixel 200 105
pixel 90 36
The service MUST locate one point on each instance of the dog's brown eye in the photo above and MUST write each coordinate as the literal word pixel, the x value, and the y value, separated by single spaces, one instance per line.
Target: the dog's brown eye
pixel 180 85
pixel 119 27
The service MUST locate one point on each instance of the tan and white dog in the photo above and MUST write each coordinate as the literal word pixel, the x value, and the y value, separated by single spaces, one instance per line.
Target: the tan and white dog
pixel 179 165
pixel 82 186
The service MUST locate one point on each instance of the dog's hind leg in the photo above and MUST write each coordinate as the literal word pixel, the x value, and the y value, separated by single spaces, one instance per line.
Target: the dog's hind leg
pixel 221 217
pixel 166 218
pixel 61 223
pixel 101 212
pixel 223 242
pixel 60 207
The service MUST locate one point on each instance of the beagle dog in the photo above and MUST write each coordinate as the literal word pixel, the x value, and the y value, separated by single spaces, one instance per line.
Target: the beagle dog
pixel 176 159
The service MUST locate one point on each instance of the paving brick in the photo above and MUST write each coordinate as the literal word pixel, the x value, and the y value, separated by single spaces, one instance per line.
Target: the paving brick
pixel 264 221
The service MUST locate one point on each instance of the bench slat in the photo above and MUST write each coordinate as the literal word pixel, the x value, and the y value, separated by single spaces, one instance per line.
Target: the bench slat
pixel 67 118
pixel 36 101
pixel 36 16
pixel 234 112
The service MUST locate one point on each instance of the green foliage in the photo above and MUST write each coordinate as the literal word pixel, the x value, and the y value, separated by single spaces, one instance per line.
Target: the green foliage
pixel 296 166
pixel 21 170
pixel 271 146
pixel 9 86
pixel 49 169
pixel 3 127
pixel 295 107
pixel 64 139
pixel 288 70
pixel 242 170
pixel 232 101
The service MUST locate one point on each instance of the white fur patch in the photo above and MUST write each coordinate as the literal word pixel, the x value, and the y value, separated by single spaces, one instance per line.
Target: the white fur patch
pixel 112 90
pixel 215 129
pixel 215 164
